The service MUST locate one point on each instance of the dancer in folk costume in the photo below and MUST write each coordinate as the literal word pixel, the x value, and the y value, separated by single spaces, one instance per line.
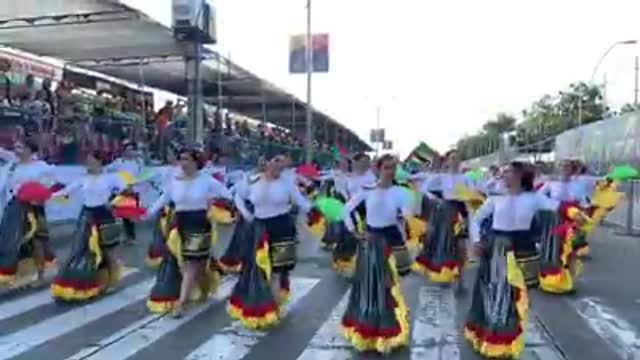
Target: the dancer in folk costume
pixel 376 317
pixel 344 252
pixel 157 248
pixel 566 188
pixel 334 186
pixel 445 253
pixel 497 318
pixel 132 165
pixel 92 267
pixel 24 235
pixel 241 243
pixel 189 240
pixel 263 286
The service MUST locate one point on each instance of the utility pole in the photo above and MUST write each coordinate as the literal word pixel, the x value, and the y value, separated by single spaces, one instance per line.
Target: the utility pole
pixel 309 63
pixel 380 141
pixel 635 90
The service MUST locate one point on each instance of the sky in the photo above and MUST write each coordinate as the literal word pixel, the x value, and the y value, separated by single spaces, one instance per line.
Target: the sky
pixel 436 69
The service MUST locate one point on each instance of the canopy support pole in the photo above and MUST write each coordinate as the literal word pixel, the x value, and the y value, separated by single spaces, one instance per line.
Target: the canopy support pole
pixel 194 85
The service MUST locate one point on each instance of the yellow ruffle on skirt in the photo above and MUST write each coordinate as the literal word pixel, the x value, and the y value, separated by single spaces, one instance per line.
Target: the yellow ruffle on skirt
pixel 380 344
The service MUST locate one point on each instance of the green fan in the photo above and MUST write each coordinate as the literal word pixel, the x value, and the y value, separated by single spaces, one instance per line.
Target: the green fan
pixel 475 174
pixel 623 173
pixel 402 176
pixel 332 209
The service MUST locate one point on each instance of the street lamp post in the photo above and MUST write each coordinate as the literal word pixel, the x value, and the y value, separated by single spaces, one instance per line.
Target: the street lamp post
pixel 613 46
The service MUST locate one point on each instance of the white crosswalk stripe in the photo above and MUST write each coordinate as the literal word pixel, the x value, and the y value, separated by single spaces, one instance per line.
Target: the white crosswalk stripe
pixel 621 336
pixel 40 298
pixel 435 327
pixel 26 339
pixel 435 335
pixel 234 342
pixel 328 343
pixel 138 339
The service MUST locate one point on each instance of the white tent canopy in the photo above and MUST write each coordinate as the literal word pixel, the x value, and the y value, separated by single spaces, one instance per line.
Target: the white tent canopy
pixel 77 30
pixel 111 38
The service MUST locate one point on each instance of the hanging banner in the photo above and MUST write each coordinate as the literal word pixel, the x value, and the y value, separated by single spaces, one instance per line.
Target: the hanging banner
pixel 377 136
pixel 298 56
pixel 18 66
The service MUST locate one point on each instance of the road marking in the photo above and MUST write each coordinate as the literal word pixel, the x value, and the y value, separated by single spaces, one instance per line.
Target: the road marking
pixel 538 344
pixel 434 333
pixel 234 342
pixel 26 339
pixel 43 297
pixel 134 339
pixel 328 342
pixel 621 336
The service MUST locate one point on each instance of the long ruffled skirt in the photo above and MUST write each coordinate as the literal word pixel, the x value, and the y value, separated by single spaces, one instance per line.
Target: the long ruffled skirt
pixel 239 245
pixel 20 227
pixel 86 274
pixel 344 252
pixel 556 253
pixel 190 239
pixel 440 259
pixel 497 318
pixel 158 248
pixel 377 317
pixel 253 301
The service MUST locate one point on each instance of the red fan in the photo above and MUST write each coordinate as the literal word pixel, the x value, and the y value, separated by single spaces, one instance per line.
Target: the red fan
pixel 127 207
pixel 308 171
pixel 564 208
pixel 314 216
pixel 222 204
pixel 34 192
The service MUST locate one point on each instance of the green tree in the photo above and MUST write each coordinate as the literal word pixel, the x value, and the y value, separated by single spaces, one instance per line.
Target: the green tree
pixel 629 108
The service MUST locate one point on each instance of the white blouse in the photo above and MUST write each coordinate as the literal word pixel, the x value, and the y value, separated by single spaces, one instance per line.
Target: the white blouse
pixel 96 189
pixel 133 167
pixel 20 173
pixel 447 183
pixel 270 198
pixel 383 206
pixel 356 182
pixel 511 212
pixel 340 180
pixel 494 186
pixel 190 194
pixel 565 191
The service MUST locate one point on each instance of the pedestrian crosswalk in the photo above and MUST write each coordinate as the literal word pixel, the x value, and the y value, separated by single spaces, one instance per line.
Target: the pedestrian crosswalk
pixel 118 327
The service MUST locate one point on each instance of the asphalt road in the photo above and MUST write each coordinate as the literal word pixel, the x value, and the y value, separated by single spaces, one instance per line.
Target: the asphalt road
pixel 601 321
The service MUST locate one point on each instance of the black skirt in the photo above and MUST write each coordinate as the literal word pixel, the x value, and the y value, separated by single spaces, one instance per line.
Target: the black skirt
pixel 344 252
pixel 240 246
pixel 157 248
pixel 497 318
pixel 194 229
pixel 189 238
pixel 440 259
pixel 252 300
pixel 555 253
pixel 393 236
pixel 22 224
pixel 376 317
pixel 281 235
pixel 17 229
pixel 85 274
